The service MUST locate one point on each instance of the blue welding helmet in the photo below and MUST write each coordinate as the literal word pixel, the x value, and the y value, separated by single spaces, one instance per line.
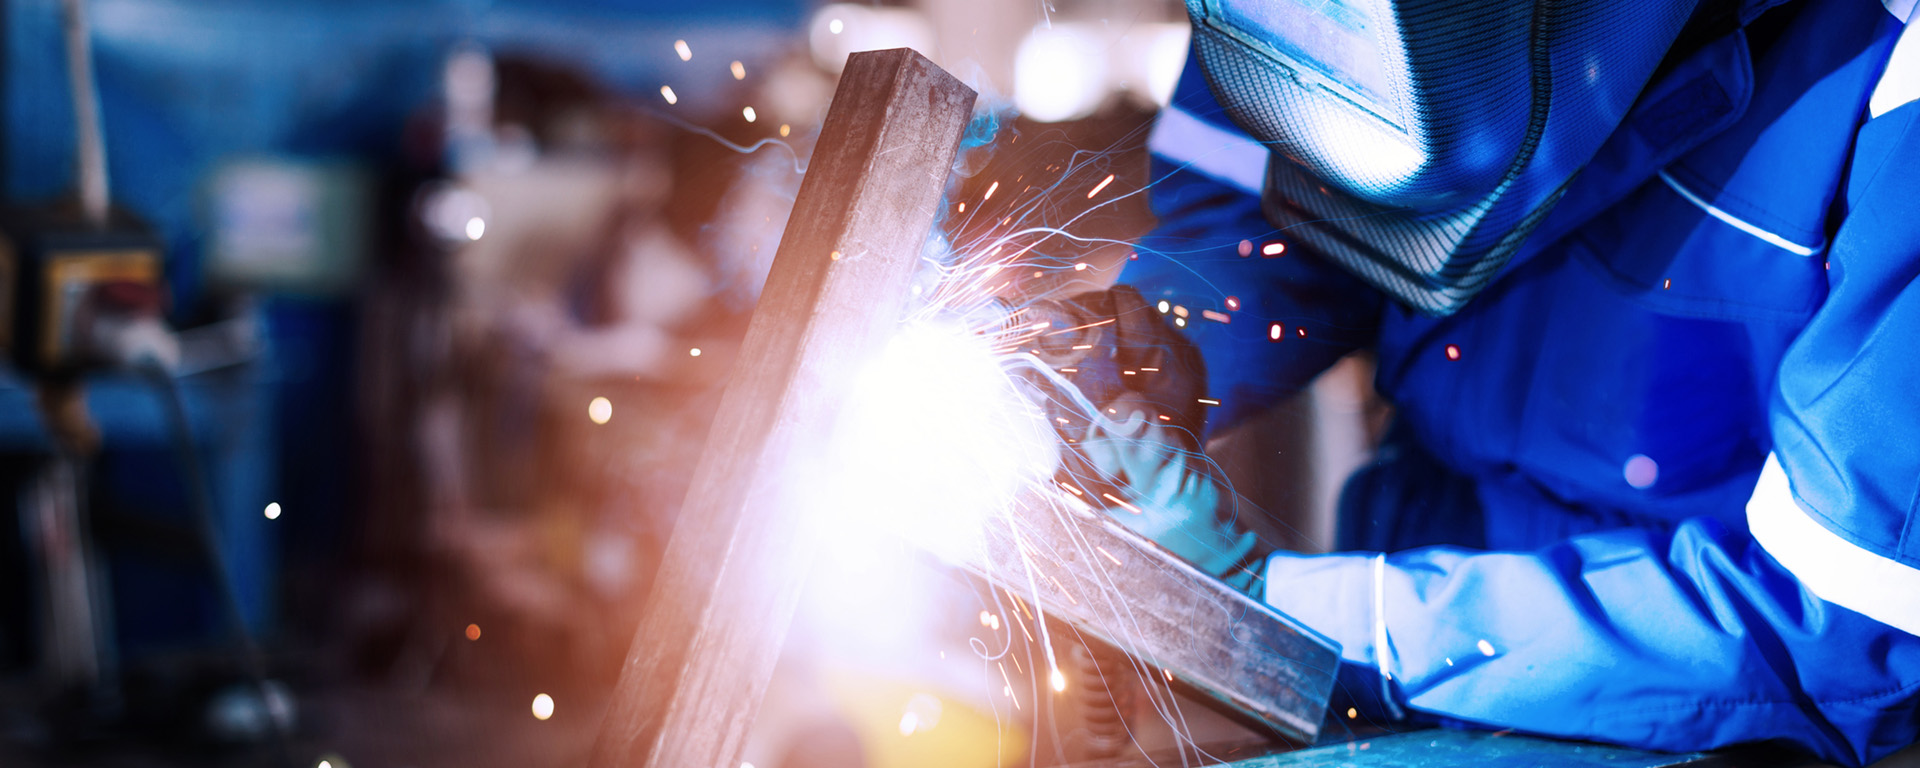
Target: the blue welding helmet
pixel 1418 142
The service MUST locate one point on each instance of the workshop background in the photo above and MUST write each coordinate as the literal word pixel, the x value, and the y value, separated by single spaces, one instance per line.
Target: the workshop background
pixel 455 285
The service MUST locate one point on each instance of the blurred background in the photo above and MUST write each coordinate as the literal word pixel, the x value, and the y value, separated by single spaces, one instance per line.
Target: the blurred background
pixel 450 288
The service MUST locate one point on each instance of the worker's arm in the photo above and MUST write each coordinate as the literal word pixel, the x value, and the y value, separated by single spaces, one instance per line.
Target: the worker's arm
pixel 1214 252
pixel 1702 637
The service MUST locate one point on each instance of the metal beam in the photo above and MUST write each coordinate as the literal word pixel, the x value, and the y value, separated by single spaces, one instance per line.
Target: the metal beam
pixel 1107 581
pixel 726 591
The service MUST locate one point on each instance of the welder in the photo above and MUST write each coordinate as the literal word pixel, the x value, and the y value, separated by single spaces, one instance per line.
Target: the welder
pixel 1642 278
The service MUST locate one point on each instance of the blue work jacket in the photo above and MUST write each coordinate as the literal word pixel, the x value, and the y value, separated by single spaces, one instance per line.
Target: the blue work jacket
pixel 1657 485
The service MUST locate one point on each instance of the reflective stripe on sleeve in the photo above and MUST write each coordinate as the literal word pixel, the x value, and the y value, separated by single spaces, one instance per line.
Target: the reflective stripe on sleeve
pixel 1900 81
pixel 1225 155
pixel 1837 570
pixel 1738 223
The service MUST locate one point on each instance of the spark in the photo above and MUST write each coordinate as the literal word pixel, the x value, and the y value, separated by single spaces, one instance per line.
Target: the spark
pixel 1095 324
pixel 1179 322
pixel 1271 250
pixel 1352 713
pixel 1301 332
pixel 695 352
pixel 835 255
pixel 963 207
pixel 1666 284
pixel 1233 303
pixel 1179 310
pixel 273 510
pixel 473 631
pixel 1165 306
pixel 739 70
pixel 1486 648
pixel 991 188
pixel 1453 352
pixel 600 410
pixel 1206 401
pixel 1100 186
pixel 1059 681
pixel 476 227
pixel 1246 248
pixel 1274 332
pixel 680 47
pixel 1124 505
pixel 542 706
pixel 1218 317
pixel 666 92
pixel 785 129
pixel 748 113
pixel 909 722
pixel 1103 550
pixel 835 26
pixel 1080 267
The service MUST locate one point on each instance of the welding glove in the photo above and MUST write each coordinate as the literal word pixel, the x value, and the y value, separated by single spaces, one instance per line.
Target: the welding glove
pixel 1141 459
pixel 1167 492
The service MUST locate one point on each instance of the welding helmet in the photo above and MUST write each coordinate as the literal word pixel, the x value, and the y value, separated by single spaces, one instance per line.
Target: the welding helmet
pixel 1418 142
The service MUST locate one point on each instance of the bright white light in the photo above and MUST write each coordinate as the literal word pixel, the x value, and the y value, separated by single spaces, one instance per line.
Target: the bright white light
pixel 680 47
pixel 600 410
pixel 1165 57
pixel 476 227
pixel 923 713
pixel 695 352
pixel 542 707
pixel 739 70
pixel 1059 73
pixel 844 28
pixel 666 92
pixel 273 511
pixel 937 420
pixel 449 211
pixel 1059 681
pixel 749 114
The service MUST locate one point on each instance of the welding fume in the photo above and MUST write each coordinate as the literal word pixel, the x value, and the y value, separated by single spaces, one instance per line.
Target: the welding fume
pixel 1642 282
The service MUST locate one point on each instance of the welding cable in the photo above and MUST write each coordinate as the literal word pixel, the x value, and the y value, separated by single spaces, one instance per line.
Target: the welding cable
pixel 253 663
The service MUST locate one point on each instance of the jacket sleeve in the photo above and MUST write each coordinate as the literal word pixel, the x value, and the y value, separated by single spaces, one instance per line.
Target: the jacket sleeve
pixel 1677 641
pixel 1705 636
pixel 1266 317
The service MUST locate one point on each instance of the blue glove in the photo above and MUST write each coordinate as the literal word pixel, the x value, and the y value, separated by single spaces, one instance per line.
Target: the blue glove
pixel 1165 492
pixel 1140 459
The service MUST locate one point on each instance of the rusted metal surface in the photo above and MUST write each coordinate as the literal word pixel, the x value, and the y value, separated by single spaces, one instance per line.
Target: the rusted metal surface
pixel 1109 582
pixel 727 589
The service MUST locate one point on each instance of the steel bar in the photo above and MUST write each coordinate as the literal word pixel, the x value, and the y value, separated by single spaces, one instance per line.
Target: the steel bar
pixel 726 591
pixel 1105 580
